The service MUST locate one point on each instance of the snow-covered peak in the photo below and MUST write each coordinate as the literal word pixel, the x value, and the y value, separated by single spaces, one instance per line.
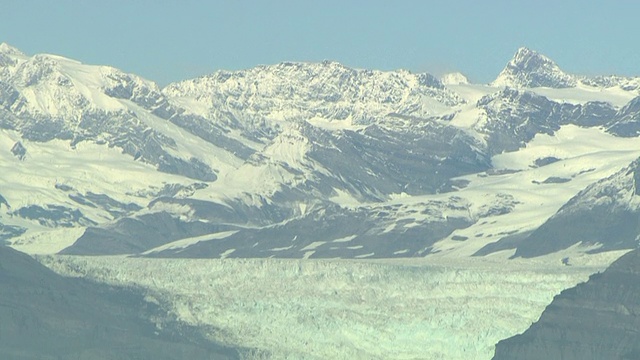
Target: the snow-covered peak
pixel 56 86
pixel 454 78
pixel 9 50
pixel 525 55
pixel 9 59
pixel 529 69
pixel 327 90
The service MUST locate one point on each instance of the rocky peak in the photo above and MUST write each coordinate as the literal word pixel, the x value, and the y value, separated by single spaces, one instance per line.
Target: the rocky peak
pixel 529 68
pixel 19 151
pixel 6 49
pixel 329 90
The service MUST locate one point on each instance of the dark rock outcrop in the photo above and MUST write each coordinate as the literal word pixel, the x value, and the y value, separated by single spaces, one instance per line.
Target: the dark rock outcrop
pixel 595 320
pixel 46 316
pixel 531 69
pixel 19 151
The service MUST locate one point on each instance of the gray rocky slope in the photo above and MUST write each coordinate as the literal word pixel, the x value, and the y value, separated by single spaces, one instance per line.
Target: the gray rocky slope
pixel 46 316
pixel 595 320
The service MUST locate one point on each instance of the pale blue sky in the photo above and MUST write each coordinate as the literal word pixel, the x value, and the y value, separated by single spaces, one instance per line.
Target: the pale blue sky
pixel 172 40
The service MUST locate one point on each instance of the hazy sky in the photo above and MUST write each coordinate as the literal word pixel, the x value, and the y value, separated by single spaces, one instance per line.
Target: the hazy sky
pixel 172 40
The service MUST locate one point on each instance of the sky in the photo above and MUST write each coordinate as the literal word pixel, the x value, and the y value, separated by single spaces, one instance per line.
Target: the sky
pixel 168 40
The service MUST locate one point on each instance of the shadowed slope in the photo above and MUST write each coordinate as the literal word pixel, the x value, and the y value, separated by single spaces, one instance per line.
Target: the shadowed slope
pixel 46 316
pixel 595 320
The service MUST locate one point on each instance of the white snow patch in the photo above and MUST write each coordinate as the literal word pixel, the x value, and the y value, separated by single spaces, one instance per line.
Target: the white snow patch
pixel 389 228
pixel 184 243
pixel 583 94
pixel 345 199
pixel 334 125
pixel 225 254
pixel 281 248
pixel 344 239
pixel 314 245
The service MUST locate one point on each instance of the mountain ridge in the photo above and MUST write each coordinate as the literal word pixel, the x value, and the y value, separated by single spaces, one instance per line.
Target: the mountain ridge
pixel 273 147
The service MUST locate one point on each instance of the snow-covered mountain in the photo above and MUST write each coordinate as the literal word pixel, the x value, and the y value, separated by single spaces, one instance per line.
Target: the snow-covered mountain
pixel 454 78
pixel 324 92
pixel 530 69
pixel 299 159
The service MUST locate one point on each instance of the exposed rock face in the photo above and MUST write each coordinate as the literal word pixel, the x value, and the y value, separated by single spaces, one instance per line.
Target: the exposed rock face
pixel 627 120
pixel 512 117
pixel 339 232
pixel 46 316
pixel 595 320
pixel 19 151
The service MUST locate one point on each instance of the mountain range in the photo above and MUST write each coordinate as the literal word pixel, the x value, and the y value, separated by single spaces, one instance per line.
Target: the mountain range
pixel 314 160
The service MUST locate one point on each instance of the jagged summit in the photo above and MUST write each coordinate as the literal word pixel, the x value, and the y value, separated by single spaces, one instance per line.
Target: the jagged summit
pixel 525 55
pixel 8 58
pixel 328 90
pixel 9 50
pixel 528 69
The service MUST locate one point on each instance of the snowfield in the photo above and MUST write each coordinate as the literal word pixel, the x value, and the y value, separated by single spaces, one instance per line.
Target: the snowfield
pixel 348 309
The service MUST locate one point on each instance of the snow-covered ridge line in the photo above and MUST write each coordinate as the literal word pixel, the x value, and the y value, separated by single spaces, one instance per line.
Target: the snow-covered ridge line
pixel 383 158
pixel 530 69
pixel 326 90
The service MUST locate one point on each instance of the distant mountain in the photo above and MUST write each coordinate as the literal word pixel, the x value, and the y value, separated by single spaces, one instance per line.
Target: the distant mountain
pixel 454 78
pixel 592 321
pixel 529 69
pixel 98 161
pixel 292 91
pixel 46 316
